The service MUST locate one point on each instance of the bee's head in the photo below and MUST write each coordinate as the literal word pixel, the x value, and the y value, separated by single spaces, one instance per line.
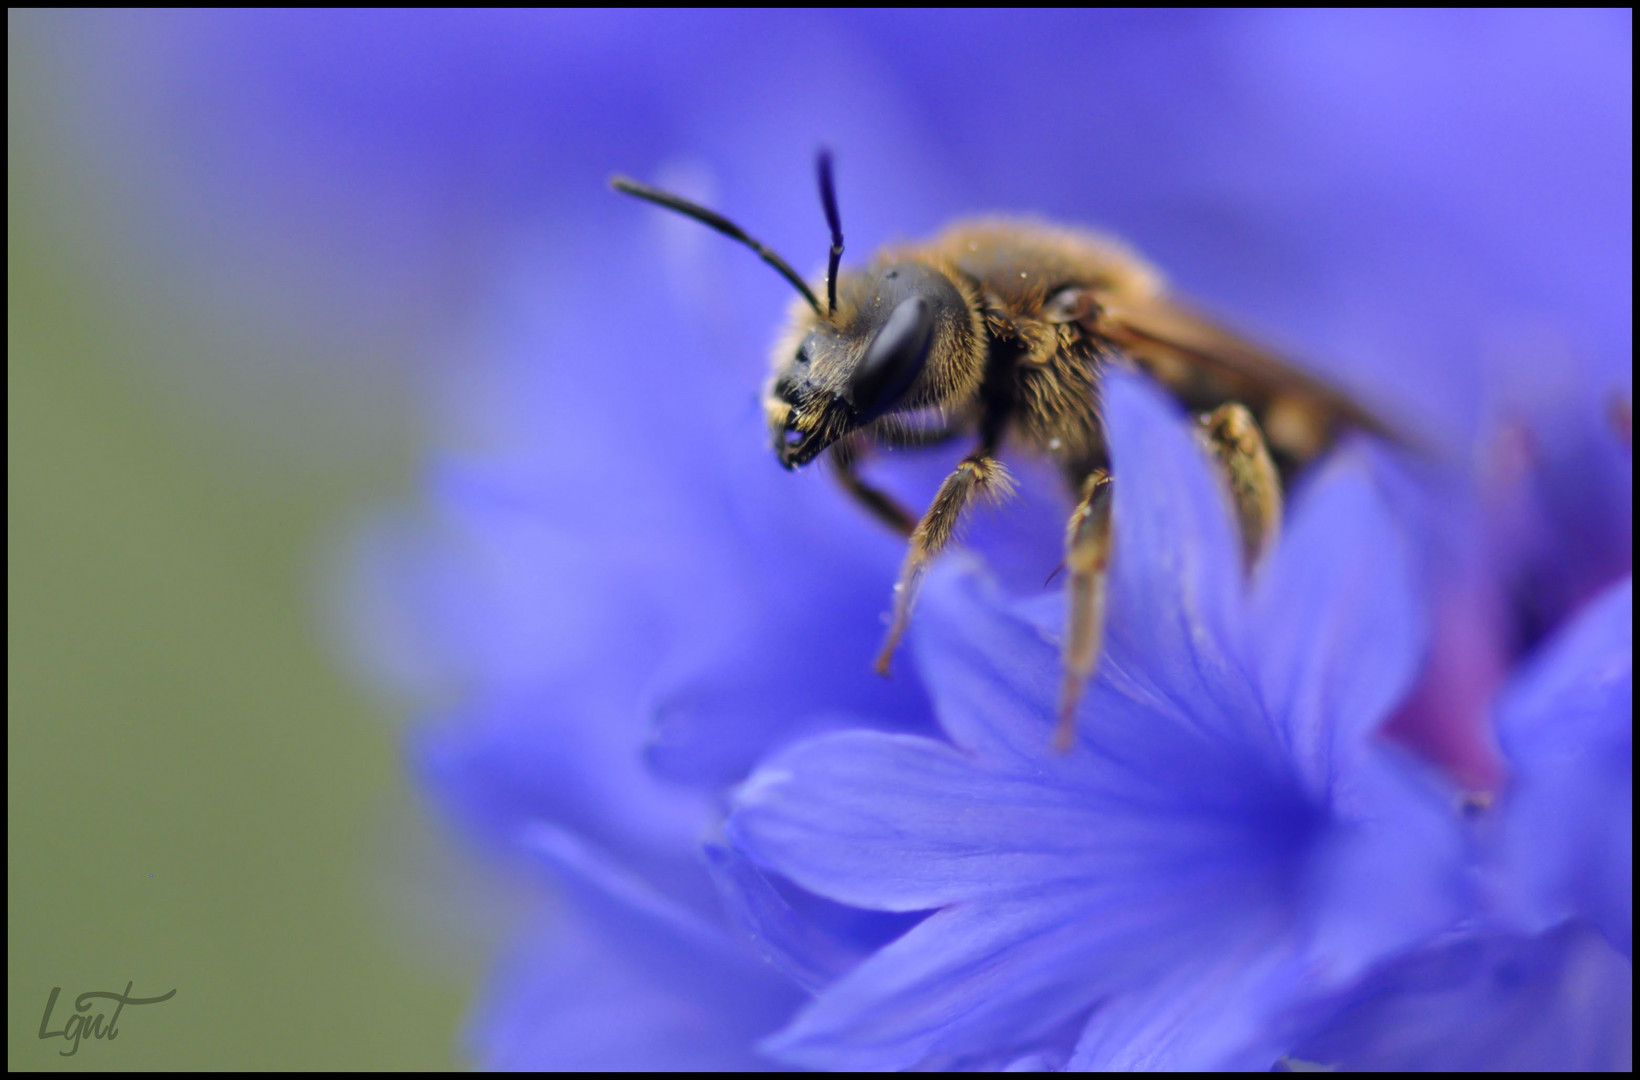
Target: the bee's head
pixel 838 372
pixel 862 354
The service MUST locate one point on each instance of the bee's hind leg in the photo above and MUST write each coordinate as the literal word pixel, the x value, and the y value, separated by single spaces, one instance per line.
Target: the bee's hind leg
pixel 1236 442
pixel 1087 555
pixel 977 474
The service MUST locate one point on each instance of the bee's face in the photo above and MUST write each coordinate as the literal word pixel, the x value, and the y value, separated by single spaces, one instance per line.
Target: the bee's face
pixel 838 374
pixel 807 401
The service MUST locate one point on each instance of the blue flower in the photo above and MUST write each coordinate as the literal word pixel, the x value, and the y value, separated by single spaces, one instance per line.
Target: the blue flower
pixel 1541 977
pixel 1557 486
pixel 623 977
pixel 1224 841
pixel 1567 726
pixel 1560 1002
pixel 1514 545
pixel 611 660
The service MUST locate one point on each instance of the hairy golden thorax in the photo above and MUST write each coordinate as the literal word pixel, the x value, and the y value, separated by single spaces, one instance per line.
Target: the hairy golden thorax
pixel 1043 309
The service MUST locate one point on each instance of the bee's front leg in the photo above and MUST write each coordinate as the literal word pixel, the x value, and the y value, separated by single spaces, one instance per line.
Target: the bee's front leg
pixel 1087 555
pixel 845 456
pixel 978 473
pixel 1234 439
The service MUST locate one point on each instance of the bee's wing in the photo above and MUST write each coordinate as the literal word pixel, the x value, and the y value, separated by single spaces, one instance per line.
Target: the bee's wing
pixel 1204 364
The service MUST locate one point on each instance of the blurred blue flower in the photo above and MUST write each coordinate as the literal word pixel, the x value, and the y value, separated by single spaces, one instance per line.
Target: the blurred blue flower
pixel 1540 978
pixel 623 977
pixel 1223 841
pixel 1557 483
pixel 619 641
pixel 1558 1002
pixel 1539 523
pixel 1567 726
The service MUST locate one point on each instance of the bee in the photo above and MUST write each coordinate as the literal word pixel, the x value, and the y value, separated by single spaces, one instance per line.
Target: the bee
pixel 996 332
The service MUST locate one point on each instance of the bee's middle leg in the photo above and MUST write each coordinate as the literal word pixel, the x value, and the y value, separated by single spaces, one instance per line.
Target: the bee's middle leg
pixel 1087 555
pixel 978 473
pixel 1234 439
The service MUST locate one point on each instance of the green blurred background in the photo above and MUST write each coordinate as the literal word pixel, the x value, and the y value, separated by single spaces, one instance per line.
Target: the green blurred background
pixel 199 798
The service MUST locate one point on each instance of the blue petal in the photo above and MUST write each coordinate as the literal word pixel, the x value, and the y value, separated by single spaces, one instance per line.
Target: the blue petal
pixel 1561 485
pixel 800 663
pixel 1176 581
pixel 572 997
pixel 1367 891
pixel 790 943
pixel 1213 1010
pixel 1002 976
pixel 1337 631
pixel 1567 728
pixel 1071 876
pixel 907 824
pixel 512 760
pixel 1559 1003
pixel 1391 872
pixel 624 980
pixel 991 676
pixel 605 887
pixel 948 987
pixel 1568 698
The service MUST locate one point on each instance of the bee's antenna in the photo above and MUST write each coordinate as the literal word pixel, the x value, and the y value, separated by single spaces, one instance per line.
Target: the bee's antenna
pixel 828 199
pixel 722 225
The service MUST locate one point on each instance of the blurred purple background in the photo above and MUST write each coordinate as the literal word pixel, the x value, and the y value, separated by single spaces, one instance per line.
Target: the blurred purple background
pixel 1407 199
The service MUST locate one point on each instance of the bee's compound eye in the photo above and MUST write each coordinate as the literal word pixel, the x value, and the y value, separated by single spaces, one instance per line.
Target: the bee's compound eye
pixel 895 357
